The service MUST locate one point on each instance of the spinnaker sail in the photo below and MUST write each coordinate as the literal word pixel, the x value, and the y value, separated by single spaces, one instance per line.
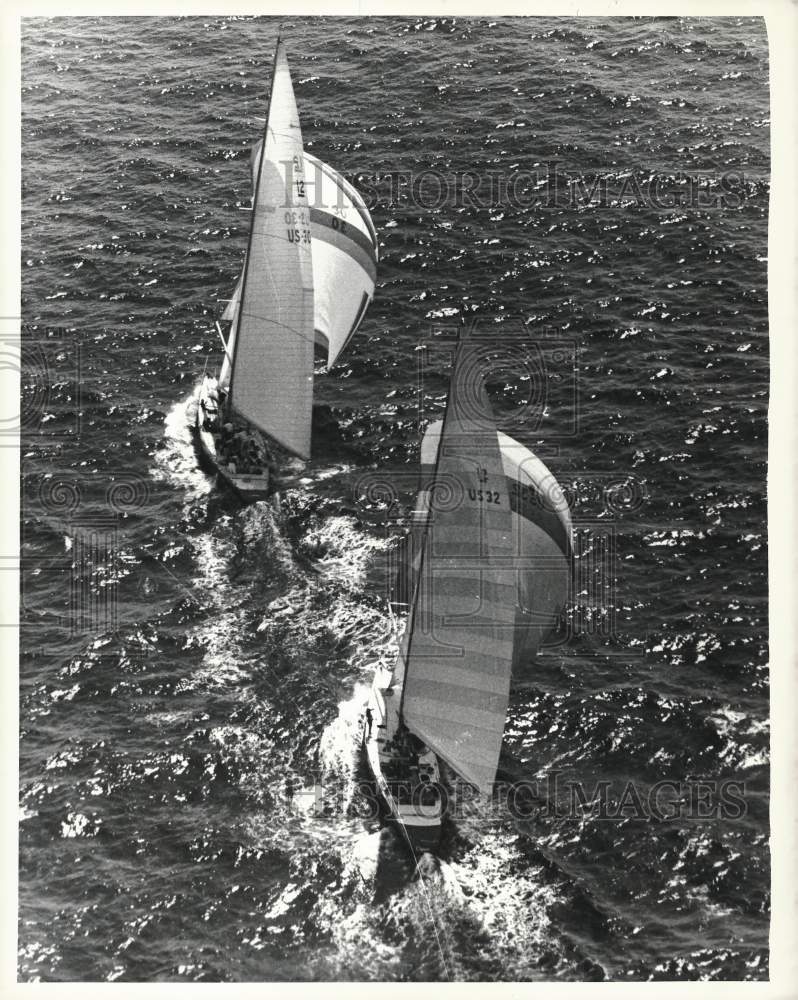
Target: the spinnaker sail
pixel 344 256
pixel 542 533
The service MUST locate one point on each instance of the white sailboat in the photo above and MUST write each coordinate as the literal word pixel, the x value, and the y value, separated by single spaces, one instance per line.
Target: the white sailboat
pixel 487 549
pixel 308 278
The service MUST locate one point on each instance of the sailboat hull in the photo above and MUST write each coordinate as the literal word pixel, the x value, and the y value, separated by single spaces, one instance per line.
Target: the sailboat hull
pixel 409 786
pixel 248 487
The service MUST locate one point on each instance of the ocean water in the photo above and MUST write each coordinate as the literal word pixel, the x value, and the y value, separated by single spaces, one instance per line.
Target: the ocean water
pixel 192 671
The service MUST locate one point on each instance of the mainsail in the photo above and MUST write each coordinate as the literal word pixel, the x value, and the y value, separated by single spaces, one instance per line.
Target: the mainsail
pixel 271 379
pixel 344 252
pixel 457 652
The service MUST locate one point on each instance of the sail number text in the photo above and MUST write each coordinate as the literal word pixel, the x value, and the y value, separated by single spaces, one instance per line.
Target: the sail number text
pixel 485 496
pixel 299 182
pixel 296 228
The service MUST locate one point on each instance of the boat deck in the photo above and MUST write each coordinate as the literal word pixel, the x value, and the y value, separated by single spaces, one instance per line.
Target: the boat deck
pixel 406 772
pixel 255 485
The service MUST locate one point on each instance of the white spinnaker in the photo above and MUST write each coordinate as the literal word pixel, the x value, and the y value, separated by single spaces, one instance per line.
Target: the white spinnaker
pixel 344 252
pixel 458 650
pixel 344 256
pixel 541 537
pixel 271 382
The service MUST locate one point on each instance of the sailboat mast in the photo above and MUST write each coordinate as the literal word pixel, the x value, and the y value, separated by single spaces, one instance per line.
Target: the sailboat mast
pixel 240 310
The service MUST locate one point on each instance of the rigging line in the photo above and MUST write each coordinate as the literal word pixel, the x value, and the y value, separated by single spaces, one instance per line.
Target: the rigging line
pixel 187 588
pixel 431 910
pixel 224 345
pixel 283 326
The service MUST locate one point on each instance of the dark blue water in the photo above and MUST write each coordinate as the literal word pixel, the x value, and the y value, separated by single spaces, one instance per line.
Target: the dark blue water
pixel 185 661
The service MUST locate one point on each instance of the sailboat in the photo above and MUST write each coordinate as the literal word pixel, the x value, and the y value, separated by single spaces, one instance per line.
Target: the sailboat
pixel 490 575
pixel 308 278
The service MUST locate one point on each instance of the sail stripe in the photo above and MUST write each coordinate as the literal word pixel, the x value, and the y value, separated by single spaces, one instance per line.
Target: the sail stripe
pixel 466 609
pixel 351 193
pixel 449 548
pixel 477 583
pixel 460 637
pixel 348 231
pixel 468 752
pixel 474 609
pixel 351 242
pixel 465 710
pixel 455 676
pixel 364 303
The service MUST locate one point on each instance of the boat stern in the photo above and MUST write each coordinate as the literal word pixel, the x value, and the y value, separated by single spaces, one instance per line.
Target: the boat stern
pixel 421 826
